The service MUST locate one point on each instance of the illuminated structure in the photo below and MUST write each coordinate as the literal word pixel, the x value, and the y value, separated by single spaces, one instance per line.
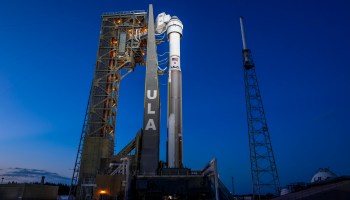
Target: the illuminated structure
pixel 263 166
pixel 121 47
pixel 136 172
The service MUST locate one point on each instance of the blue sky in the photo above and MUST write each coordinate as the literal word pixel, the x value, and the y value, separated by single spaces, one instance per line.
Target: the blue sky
pixel 48 50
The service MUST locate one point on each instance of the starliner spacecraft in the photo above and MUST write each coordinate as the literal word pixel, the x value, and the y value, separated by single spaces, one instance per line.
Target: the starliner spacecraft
pixel 173 27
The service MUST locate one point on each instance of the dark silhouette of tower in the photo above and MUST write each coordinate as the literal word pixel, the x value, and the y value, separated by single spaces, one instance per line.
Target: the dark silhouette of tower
pixel 262 161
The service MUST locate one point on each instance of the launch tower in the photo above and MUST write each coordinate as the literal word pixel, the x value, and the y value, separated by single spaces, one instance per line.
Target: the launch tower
pixel 128 39
pixel 121 47
pixel 262 161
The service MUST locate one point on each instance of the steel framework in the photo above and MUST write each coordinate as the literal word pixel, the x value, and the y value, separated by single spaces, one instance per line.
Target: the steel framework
pixel 135 170
pixel 263 166
pixel 75 176
pixel 121 46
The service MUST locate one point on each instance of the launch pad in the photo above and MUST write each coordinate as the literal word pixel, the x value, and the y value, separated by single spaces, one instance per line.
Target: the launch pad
pixel 136 172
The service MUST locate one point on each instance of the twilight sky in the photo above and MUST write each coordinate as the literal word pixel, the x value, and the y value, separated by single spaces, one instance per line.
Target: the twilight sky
pixel 301 51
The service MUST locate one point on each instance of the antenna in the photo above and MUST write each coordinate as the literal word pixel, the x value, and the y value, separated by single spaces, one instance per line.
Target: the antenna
pixel 242 32
pixel 247 57
pixel 262 160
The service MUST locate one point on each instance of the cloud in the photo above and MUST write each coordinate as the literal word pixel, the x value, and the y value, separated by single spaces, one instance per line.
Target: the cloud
pixel 24 175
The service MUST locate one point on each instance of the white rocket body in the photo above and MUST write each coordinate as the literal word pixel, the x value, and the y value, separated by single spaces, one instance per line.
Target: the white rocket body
pixel 174 147
pixel 173 26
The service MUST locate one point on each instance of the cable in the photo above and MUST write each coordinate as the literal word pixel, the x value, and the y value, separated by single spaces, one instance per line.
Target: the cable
pixel 164 60
pixel 163 68
pixel 162 36
pixel 163 54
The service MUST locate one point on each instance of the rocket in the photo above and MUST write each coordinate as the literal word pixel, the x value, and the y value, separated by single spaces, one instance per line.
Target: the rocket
pixel 174 146
pixel 173 27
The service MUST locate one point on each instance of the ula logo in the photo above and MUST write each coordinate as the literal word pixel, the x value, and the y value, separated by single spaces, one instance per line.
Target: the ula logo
pixel 150 122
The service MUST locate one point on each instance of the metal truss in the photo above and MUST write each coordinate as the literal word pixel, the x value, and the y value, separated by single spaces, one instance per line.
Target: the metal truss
pixel 121 46
pixel 75 176
pixel 263 166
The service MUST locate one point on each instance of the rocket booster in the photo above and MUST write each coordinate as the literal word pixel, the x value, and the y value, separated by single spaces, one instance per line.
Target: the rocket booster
pixel 174 147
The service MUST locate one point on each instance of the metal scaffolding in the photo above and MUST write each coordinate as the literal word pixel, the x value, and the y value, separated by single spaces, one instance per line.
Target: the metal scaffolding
pixel 263 166
pixel 122 44
pixel 136 171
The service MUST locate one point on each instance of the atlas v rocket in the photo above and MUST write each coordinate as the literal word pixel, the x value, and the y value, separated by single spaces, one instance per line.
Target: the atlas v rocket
pixel 173 27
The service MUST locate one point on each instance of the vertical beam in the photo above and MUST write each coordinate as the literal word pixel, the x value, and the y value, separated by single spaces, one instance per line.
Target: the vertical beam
pixel 150 139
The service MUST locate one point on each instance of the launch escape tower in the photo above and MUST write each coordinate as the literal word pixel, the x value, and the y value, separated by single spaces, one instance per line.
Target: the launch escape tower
pixel 128 39
pixel 262 161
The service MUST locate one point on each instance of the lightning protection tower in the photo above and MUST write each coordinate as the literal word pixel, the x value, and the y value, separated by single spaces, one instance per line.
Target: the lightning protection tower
pixel 262 161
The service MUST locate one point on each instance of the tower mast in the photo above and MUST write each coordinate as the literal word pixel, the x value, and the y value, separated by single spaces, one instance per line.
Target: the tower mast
pixel 262 161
